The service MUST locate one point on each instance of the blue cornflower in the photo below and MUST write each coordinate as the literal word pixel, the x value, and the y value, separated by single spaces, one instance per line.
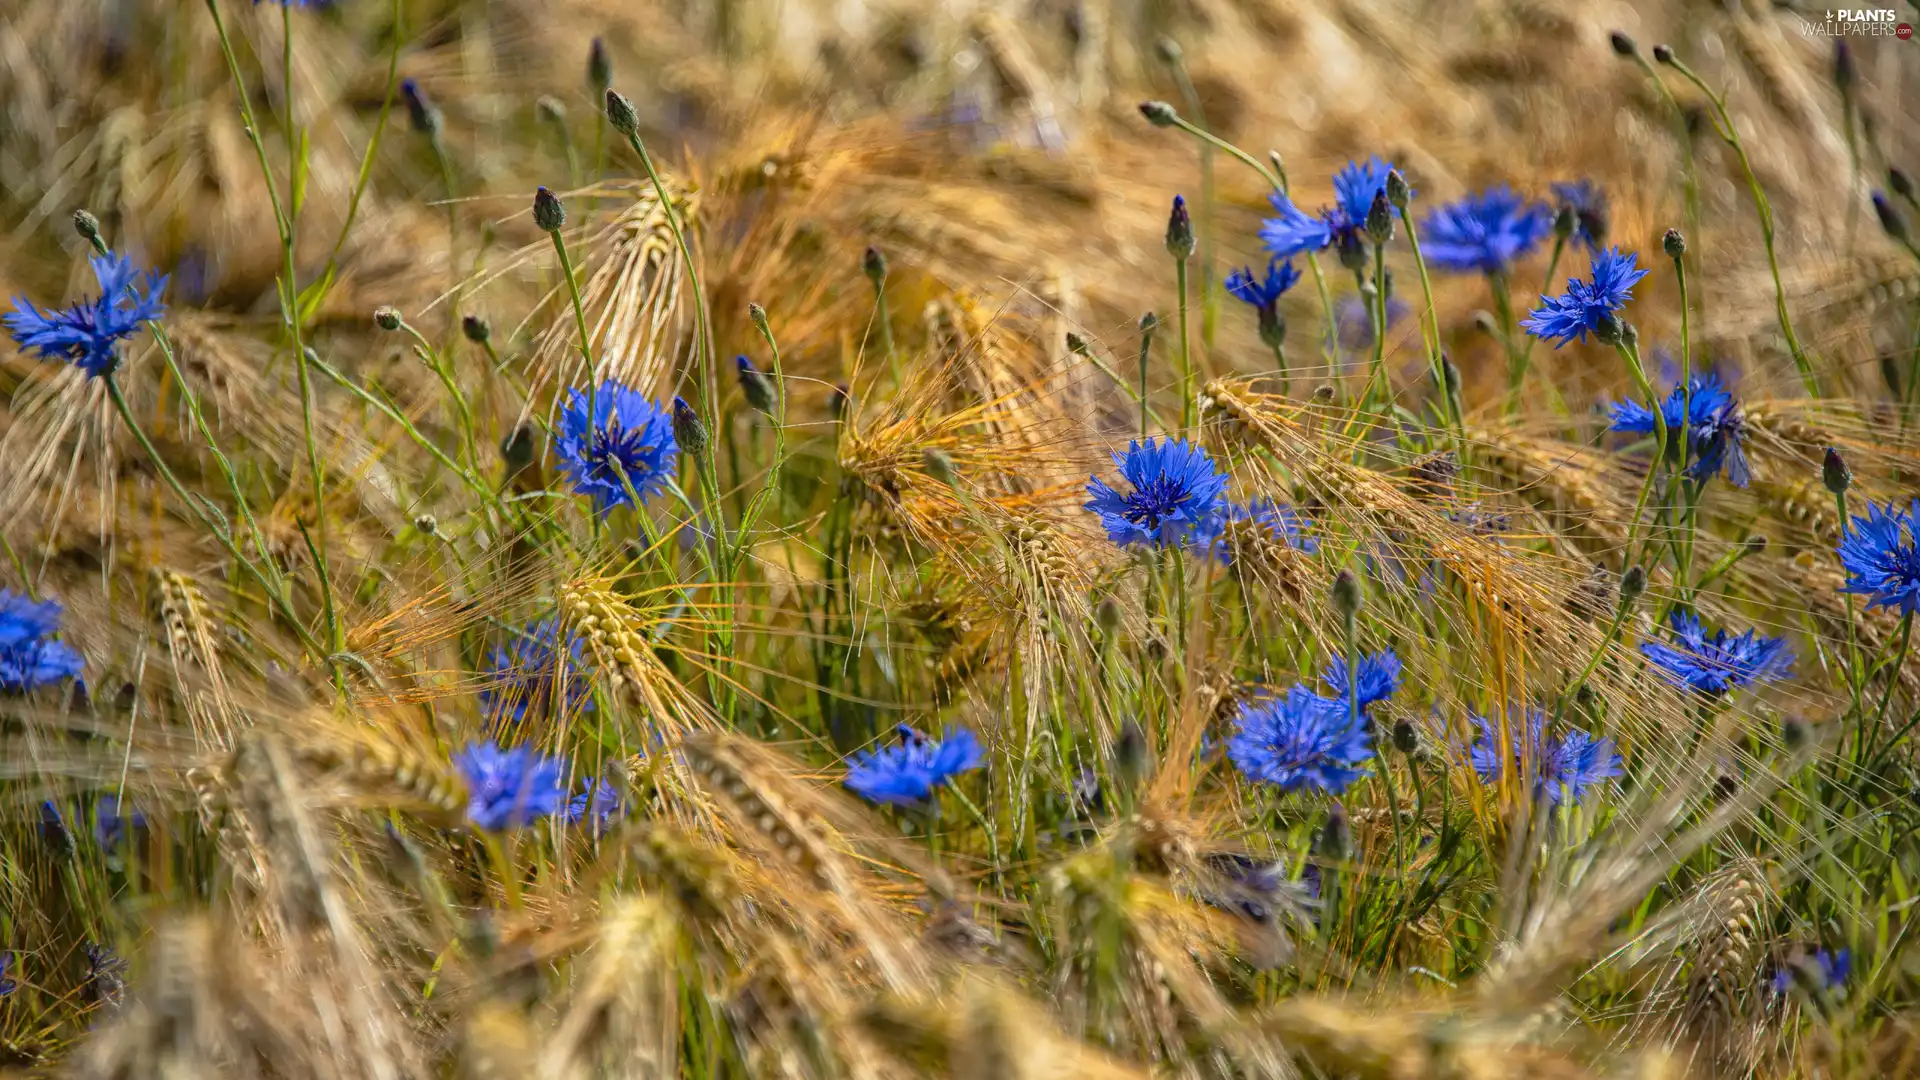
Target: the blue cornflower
pixel 597 804
pixel 1484 232
pixel 1299 741
pixel 905 773
pixel 1716 430
pixel 28 658
pixel 1589 206
pixel 1263 295
pixel 1881 555
pixel 1176 490
pixel 1562 319
pixel 1827 970
pixel 1341 225
pixel 626 449
pixel 1563 768
pixel 1379 677
pixel 522 673
pixel 1281 521
pixel 1721 664
pixel 89 333
pixel 510 788
pixel 111 827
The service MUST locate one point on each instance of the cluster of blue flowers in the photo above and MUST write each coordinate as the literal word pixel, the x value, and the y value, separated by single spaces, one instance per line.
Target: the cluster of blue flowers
pixel 512 788
pixel 624 450
pixel 88 334
pixel 30 658
pixel 1827 972
pixel 906 773
pixel 1705 413
pixel 1303 739
pixel 1562 769
pixel 523 673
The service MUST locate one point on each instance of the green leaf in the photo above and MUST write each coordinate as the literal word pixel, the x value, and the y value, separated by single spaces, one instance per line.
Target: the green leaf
pixel 311 297
pixel 300 170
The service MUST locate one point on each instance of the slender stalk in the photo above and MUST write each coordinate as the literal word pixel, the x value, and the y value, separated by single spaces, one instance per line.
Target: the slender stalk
pixel 1186 356
pixel 1147 326
pixel 1430 337
pixel 373 145
pixel 1209 300
pixel 1631 355
pixel 1723 126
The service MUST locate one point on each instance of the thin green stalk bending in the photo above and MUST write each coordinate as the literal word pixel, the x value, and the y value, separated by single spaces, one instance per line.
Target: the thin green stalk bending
pixel 1723 126
pixel 373 145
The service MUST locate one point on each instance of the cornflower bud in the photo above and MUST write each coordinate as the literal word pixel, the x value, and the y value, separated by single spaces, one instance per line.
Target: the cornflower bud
pixel 476 329
pixel 1346 594
pixel 755 385
pixel 1673 243
pixel 939 465
pixel 86 225
pixel 386 318
pixel 620 113
pixel 1834 472
pixel 1900 182
pixel 599 67
pixel 1663 53
pixel 1159 113
pixel 1632 583
pixel 1397 190
pixel 1180 230
pixel 1623 45
pixel 1336 835
pixel 1890 219
pixel 688 430
pixel 548 214
pixel 420 109
pixel 873 263
pixel 1380 218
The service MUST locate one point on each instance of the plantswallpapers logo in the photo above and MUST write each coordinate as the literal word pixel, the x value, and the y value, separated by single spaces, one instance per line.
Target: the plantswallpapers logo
pixel 1857 22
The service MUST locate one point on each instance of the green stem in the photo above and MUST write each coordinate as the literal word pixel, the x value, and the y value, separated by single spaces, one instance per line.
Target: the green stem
pixel 1723 124
pixel 373 146
pixel 1430 337
pixel 1186 356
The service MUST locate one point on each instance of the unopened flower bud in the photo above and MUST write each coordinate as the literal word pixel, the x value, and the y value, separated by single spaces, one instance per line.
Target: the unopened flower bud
pixel 1483 322
pixel 1077 345
pixel 1834 472
pixel 1180 230
pixel 1674 244
pixel 1397 190
pixel 1336 835
pixel 1322 394
pixel 548 214
pixel 1663 53
pixel 1167 50
pixel 688 430
pixel 939 465
pixel 1106 615
pixel 874 264
pixel 1380 218
pixel 620 113
pixel 1159 113
pixel 1622 44
pixel 1890 219
pixel 386 318
pixel 757 315
pixel 1346 594
pixel 1450 371
pixel 1844 72
pixel 1632 583
pixel 1406 738
pixel 1755 544
pixel 1795 733
pixel 477 329
pixel 599 67
pixel 421 110
pixel 550 110
pixel 1131 756
pixel 1630 336
pixel 427 524
pixel 86 225
pixel 1149 322
pixel 755 385
pixel 1899 182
